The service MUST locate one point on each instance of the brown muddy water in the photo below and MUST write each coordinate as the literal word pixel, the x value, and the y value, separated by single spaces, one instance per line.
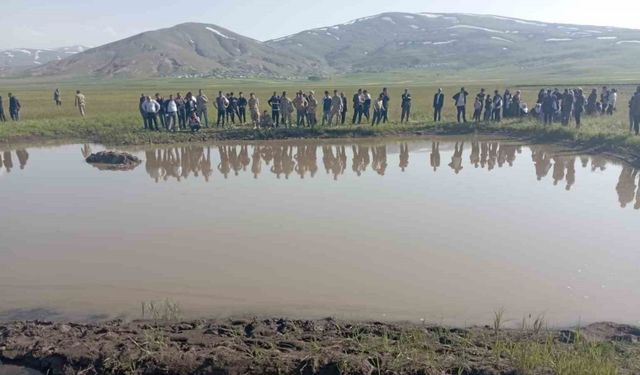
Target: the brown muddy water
pixel 443 230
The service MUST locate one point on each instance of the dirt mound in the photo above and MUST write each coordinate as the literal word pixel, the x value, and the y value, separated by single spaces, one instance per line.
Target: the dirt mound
pixel 113 160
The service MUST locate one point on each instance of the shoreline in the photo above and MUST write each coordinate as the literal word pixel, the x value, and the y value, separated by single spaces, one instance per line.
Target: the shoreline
pixel 625 147
pixel 325 346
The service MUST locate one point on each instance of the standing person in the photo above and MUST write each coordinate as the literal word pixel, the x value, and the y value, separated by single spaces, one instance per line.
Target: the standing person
pixel 438 104
pixel 312 106
pixel 161 113
pixel 612 101
pixel 286 108
pixel 635 111
pixel 406 106
pixel 477 109
pixel 172 114
pixel 202 104
pixel 358 102
pixel 507 110
pixel 143 98
pixel 254 109
pixel 274 103
pixel 385 102
pixel 14 107
pixel 592 102
pixel 182 111
pixel 460 100
pixel 517 110
pixel 488 108
pixel 2 117
pixel 57 98
pixel 326 108
pixel 80 102
pixel 482 96
pixel 221 105
pixel 151 108
pixel 301 105
pixel 378 107
pixel 498 103
pixel 604 99
pixel 578 106
pixel 366 107
pixel 232 108
pixel 549 107
pixel 344 107
pixel 190 105
pixel 336 108
pixel 242 108
pixel 567 106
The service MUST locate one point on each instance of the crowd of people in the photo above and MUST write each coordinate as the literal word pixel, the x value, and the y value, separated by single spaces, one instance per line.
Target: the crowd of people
pixel 305 109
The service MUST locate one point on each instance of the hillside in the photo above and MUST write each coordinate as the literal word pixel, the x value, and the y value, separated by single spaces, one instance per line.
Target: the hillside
pixel 189 49
pixel 453 42
pixel 449 44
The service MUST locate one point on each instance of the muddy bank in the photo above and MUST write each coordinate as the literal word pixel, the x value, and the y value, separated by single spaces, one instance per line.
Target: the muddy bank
pixel 281 346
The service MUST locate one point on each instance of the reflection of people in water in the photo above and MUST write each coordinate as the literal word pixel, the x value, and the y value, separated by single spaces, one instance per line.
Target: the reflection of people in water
pixel 361 159
pixel 404 156
pixel 22 156
pixel 379 159
pixel 474 158
pixel 456 159
pixel 334 163
pixel 571 172
pixel 6 161
pixel 626 187
pixel 243 157
pixel 558 169
pixel 205 165
pixel 434 158
pixel 637 205
pixel 256 162
pixel 542 162
pixel 223 166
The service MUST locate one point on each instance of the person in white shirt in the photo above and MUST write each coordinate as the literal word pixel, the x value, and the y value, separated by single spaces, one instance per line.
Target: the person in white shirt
pixel 461 104
pixel 172 114
pixel 151 108
pixel 613 99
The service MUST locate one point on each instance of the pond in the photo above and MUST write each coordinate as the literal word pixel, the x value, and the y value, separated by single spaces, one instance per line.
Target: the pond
pixel 447 230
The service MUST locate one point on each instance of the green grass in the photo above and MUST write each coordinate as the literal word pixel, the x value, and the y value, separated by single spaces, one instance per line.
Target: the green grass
pixel 113 117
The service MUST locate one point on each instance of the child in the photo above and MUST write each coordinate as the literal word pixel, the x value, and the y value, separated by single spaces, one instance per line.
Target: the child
pixel 194 122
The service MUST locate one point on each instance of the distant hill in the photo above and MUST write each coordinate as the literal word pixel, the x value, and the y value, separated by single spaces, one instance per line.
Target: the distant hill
pixel 189 49
pixel 24 58
pixel 451 43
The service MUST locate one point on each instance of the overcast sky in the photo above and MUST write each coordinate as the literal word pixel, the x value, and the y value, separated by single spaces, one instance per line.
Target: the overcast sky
pixel 57 23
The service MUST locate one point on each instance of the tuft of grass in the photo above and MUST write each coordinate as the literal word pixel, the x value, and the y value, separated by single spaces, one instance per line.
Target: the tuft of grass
pixel 165 310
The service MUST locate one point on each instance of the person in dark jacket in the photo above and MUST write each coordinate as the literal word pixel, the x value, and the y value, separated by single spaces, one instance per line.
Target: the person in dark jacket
pixel 344 107
pixel 14 107
pixel 232 108
pixel 406 106
pixel 162 112
pixel 578 106
pixel 498 105
pixel 482 95
pixel 507 110
pixel 358 102
pixel 634 110
pixel 242 108
pixel 460 100
pixel 274 103
pixel 366 107
pixel 143 98
pixel 438 104
pixel 2 116
pixel 549 107
pixel 385 105
pixel 592 103
pixel 326 108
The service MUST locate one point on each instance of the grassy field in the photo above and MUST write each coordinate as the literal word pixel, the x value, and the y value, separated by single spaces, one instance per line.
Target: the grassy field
pixel 113 116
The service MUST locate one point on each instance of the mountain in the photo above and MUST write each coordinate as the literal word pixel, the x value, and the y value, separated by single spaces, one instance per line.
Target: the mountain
pixel 189 49
pixel 23 58
pixel 476 45
pixel 455 42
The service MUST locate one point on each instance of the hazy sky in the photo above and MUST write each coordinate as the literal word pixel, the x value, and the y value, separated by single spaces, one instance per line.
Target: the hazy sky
pixel 56 23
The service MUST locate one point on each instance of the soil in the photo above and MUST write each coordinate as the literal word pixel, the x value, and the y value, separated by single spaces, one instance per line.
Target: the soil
pixel 282 346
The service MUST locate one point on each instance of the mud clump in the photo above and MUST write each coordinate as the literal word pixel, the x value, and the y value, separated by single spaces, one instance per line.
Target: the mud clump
pixel 113 160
